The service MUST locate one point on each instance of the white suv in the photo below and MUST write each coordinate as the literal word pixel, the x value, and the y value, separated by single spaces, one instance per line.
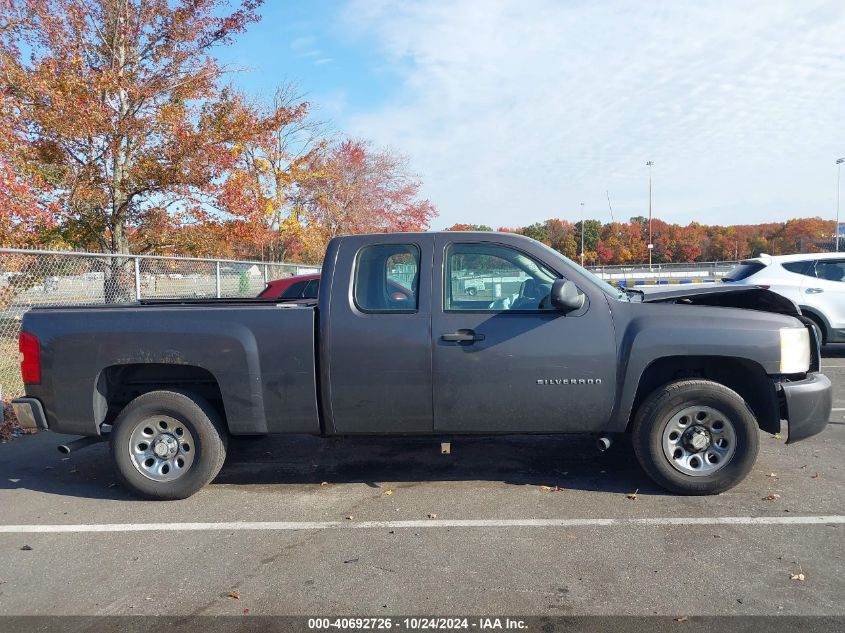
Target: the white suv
pixel 816 282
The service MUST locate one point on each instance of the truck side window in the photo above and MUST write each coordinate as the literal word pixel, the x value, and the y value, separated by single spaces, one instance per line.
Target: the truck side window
pixel 488 277
pixel 387 277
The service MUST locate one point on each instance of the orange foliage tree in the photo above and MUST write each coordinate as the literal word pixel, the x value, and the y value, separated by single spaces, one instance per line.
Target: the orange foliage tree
pixel 356 189
pixel 117 108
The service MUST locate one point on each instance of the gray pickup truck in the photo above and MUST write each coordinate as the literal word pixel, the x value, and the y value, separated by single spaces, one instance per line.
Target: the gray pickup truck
pixel 395 345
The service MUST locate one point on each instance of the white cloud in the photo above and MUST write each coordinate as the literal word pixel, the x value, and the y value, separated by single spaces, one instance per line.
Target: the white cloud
pixel 516 111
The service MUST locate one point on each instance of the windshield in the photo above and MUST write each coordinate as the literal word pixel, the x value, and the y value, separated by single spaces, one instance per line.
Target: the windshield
pixel 611 291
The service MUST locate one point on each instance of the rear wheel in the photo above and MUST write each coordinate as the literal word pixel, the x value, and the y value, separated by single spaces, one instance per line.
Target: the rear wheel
pixel 167 444
pixel 695 437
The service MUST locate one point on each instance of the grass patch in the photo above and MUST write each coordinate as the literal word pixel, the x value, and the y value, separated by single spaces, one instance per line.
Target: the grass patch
pixel 10 366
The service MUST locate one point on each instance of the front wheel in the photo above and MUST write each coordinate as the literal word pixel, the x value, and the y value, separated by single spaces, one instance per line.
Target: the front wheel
pixel 695 437
pixel 167 444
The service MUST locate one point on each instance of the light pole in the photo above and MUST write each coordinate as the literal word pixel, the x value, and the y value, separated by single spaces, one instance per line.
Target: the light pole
pixel 582 234
pixel 839 162
pixel 649 164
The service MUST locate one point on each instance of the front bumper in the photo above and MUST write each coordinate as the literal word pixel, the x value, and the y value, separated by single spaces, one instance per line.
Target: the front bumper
pixel 808 403
pixel 29 413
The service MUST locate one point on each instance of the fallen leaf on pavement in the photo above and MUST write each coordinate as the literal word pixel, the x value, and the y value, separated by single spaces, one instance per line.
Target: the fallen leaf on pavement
pixel 776 436
pixel 772 475
pixel 26 548
pixel 432 516
pixel 545 487
pixel 816 476
pixel 348 517
pixel 633 496
pixel 387 493
pixel 771 497
pixel 683 618
pixel 235 595
pixel 324 483
pixel 798 576
pixel 246 611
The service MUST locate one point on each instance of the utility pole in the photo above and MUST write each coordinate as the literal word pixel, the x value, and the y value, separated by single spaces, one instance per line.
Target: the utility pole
pixel 839 162
pixel 582 234
pixel 649 164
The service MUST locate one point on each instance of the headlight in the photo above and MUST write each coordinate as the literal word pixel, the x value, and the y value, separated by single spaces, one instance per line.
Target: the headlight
pixel 794 350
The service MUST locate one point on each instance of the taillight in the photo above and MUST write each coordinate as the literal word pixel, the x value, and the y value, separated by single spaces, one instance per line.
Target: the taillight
pixel 31 363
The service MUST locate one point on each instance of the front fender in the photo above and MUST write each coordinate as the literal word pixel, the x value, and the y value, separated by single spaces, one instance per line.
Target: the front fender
pixel 655 331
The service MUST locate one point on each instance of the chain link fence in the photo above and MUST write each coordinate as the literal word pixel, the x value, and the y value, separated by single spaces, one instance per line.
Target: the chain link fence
pixel 35 278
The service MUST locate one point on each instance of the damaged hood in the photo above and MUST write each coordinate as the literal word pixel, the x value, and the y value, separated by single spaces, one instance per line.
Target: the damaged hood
pixel 726 296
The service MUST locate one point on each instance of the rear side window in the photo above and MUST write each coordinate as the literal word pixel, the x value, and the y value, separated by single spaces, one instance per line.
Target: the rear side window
pixel 312 289
pixel 830 269
pixel 801 268
pixel 294 291
pixel 744 270
pixel 387 278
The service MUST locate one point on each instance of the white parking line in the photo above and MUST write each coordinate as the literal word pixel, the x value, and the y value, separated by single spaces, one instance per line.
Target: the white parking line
pixel 435 523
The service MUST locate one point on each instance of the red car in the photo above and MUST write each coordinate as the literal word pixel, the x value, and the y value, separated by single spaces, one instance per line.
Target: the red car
pixel 292 288
pixel 304 287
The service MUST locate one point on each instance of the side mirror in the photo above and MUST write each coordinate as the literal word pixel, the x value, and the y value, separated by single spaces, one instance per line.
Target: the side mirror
pixel 566 297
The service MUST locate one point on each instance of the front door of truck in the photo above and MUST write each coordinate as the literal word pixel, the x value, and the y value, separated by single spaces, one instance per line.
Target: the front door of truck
pixel 375 337
pixel 503 359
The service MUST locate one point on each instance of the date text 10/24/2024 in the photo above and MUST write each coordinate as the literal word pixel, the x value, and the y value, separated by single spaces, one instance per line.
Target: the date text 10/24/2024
pixel 417 623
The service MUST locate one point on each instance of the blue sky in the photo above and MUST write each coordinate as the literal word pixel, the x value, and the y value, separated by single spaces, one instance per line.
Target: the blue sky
pixel 514 112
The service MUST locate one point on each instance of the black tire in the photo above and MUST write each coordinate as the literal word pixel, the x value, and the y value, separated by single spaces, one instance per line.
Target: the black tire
pixel 658 411
pixel 201 422
pixel 472 291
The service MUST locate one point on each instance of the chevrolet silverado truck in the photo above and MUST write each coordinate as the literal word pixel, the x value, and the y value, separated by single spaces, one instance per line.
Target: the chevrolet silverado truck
pixel 691 375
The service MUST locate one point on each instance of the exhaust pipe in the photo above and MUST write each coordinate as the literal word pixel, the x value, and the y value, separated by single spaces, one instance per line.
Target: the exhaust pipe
pixel 603 443
pixel 78 444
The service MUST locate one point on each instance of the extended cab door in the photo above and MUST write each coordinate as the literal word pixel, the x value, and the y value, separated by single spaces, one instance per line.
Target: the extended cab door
pixel 504 359
pixel 375 334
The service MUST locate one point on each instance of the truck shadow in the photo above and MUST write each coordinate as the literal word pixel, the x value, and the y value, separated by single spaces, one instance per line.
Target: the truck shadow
pixel 570 462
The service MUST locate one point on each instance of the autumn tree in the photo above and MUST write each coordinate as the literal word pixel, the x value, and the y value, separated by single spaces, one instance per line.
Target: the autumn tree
pixel 119 105
pixel 357 189
pixel 469 227
pixel 263 189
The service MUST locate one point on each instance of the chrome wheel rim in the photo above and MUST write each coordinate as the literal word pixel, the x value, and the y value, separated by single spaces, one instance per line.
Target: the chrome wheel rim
pixel 161 448
pixel 699 440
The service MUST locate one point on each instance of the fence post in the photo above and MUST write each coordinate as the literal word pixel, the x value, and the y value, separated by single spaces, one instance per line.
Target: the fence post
pixel 137 279
pixel 266 276
pixel 217 277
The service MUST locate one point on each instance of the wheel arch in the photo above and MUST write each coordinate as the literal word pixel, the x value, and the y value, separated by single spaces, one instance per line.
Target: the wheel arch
pixel 746 377
pixel 118 385
pixel 819 318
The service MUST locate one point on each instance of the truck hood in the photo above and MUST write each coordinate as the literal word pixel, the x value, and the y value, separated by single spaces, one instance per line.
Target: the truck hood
pixel 747 297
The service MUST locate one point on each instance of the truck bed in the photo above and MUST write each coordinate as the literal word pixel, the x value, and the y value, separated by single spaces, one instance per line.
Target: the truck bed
pixel 260 354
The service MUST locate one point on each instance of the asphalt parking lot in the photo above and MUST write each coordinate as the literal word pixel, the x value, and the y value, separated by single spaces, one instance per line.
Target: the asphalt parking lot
pixel 531 526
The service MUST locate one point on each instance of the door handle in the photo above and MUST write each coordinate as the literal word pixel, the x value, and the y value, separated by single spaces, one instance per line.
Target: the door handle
pixel 814 291
pixel 462 336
